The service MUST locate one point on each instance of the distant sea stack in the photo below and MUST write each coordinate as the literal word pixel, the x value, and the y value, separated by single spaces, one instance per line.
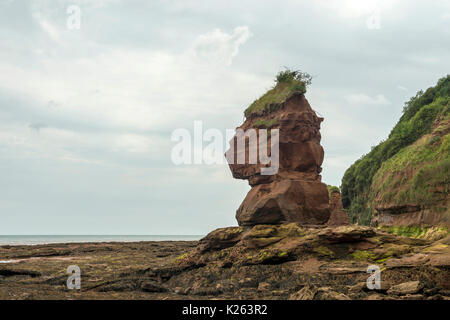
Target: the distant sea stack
pixel 295 193
pixel 339 216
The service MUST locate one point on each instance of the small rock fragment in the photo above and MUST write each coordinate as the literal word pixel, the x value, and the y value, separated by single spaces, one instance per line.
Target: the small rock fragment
pixel 152 286
pixel 306 293
pixel 406 288
pixel 263 286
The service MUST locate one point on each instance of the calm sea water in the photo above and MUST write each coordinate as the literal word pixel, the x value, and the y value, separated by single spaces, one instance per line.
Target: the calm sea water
pixel 44 239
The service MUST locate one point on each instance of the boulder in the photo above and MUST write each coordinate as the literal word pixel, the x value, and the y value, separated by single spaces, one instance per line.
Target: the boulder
pixel 405 288
pixel 220 239
pixel 360 286
pixel 327 293
pixel 306 293
pixel 152 286
pixel 282 201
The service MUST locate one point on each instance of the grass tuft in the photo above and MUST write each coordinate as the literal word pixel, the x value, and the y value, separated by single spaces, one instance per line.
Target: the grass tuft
pixel 287 83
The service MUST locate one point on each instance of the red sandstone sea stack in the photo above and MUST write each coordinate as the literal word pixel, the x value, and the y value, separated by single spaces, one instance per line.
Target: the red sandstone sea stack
pixel 338 216
pixel 295 193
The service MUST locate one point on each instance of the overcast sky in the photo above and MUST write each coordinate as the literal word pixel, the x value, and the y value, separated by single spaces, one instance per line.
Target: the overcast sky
pixel 86 114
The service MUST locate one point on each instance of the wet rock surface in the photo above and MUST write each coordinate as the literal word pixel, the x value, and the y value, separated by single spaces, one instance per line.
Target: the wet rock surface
pixel 411 287
pixel 285 261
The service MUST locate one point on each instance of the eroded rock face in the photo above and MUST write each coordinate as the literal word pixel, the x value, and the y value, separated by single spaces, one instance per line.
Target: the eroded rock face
pixel 299 201
pixel 339 216
pixel 266 262
pixel 295 193
pixel 429 208
pixel 337 257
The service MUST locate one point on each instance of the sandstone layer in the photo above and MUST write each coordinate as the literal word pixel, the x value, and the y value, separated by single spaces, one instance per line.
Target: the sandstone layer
pixel 260 262
pixel 295 192
pixel 323 263
pixel 339 216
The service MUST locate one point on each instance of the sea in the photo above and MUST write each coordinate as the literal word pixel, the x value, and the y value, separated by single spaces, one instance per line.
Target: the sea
pixel 47 239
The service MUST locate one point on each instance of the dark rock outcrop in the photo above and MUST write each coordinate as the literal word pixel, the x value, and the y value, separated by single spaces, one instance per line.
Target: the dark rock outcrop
pixel 295 192
pixel 289 261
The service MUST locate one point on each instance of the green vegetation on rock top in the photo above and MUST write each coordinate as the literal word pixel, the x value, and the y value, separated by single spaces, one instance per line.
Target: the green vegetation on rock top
pixel 332 189
pixel 287 83
pixel 265 123
pixel 419 114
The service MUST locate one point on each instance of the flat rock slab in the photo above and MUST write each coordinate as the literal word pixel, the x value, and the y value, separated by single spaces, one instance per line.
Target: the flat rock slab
pixel 405 288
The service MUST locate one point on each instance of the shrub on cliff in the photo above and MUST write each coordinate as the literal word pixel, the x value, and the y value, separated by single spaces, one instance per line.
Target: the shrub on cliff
pixel 288 76
pixel 417 174
pixel 287 82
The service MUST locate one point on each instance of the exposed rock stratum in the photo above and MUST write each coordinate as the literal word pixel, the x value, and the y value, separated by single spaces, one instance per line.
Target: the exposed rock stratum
pixel 295 193
pixel 339 216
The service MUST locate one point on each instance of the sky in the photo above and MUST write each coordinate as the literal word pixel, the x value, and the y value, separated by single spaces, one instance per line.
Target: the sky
pixel 86 114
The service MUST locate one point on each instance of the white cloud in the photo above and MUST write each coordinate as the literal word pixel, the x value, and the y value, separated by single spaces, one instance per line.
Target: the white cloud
pixel 47 5
pixel 47 26
pixel 87 107
pixel 136 88
pixel 126 90
pixel 219 47
pixel 361 98
pixel 357 8
pixel 134 143
pixel 44 142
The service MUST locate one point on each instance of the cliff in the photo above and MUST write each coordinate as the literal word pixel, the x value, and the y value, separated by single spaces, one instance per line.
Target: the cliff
pixel 412 188
pixel 404 181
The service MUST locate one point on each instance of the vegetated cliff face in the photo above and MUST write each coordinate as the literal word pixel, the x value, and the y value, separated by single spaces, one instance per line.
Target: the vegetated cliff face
pixel 413 187
pixel 295 192
pixel 404 181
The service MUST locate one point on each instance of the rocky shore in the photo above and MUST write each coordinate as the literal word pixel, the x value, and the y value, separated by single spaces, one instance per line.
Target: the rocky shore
pixel 294 239
pixel 108 270
pixel 261 262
